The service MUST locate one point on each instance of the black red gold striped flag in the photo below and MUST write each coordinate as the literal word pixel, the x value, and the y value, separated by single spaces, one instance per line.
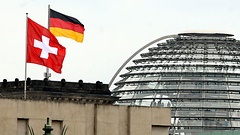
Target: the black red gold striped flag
pixel 66 26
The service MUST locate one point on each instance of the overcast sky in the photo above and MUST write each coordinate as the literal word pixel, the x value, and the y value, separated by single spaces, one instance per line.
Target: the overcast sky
pixel 114 30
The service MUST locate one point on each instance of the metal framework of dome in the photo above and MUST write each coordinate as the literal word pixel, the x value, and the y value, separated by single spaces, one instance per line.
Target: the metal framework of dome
pixel 196 74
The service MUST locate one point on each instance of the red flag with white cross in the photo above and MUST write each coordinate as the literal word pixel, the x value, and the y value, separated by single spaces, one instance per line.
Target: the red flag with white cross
pixel 43 47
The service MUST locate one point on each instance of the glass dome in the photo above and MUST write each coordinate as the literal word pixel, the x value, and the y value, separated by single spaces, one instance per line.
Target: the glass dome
pixel 195 74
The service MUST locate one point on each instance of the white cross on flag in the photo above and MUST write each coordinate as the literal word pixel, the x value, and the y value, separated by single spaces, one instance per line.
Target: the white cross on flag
pixel 43 47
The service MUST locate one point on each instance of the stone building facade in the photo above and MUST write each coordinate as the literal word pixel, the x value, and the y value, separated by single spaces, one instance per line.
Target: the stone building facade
pixel 82 119
pixel 82 111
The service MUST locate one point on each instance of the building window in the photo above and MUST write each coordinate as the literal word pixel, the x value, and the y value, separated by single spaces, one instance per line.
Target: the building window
pixel 57 126
pixel 158 130
pixel 22 126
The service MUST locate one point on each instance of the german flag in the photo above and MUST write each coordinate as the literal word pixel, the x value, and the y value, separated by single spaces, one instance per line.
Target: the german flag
pixel 66 26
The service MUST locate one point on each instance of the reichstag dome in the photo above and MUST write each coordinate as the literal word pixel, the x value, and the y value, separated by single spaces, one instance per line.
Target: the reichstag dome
pixel 196 74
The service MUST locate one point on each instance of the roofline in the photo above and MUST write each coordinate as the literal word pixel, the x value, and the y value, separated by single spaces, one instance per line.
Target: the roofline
pixel 206 34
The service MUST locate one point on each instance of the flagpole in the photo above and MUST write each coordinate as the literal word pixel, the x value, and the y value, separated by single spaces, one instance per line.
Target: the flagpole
pixel 47 74
pixel 25 80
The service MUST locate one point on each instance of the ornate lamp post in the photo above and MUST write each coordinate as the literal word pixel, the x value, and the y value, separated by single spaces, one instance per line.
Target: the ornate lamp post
pixel 47 128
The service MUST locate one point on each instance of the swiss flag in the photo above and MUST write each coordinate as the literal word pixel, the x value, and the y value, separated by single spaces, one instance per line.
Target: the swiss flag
pixel 43 47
